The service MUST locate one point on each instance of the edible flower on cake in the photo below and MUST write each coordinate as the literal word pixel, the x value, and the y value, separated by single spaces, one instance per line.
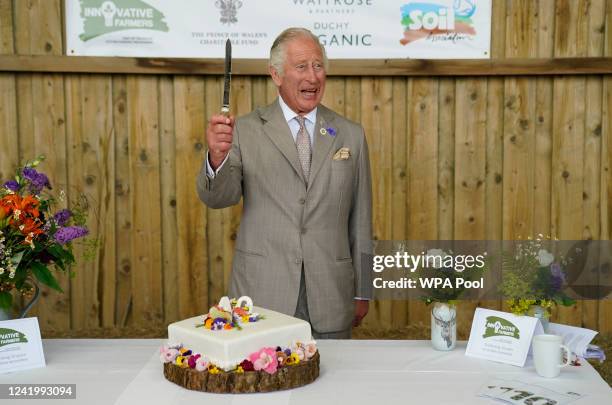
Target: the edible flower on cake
pixel 268 359
pixel 265 360
pixel 229 314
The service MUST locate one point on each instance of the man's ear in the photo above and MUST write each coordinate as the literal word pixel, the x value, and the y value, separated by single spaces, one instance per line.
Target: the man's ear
pixel 276 78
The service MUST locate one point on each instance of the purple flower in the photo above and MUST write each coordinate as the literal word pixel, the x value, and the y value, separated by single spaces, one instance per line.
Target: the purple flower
pixel 556 283
pixel 62 216
pixel 287 352
pixel 557 276
pixel 557 272
pixel 65 235
pixel 37 180
pixel 331 131
pixel 218 324
pixel 12 185
pixel 191 361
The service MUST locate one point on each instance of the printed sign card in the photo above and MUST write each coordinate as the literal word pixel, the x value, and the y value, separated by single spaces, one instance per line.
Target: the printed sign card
pixel 501 336
pixel 20 345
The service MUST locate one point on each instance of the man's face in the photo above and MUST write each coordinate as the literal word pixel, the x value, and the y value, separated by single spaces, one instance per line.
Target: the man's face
pixel 303 82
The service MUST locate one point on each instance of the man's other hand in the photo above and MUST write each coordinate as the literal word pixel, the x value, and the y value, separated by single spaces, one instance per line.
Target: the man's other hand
pixel 361 310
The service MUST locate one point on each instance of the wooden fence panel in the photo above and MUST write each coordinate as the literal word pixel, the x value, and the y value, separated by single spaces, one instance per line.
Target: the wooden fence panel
pixel 470 166
pixel 143 125
pixel 168 153
pixel 423 139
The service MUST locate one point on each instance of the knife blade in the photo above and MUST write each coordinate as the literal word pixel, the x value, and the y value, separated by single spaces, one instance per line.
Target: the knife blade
pixel 227 79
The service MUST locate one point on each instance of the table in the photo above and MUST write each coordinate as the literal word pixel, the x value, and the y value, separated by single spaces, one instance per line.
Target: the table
pixel 375 372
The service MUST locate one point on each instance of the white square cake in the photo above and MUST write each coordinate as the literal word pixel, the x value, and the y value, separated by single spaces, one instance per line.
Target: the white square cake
pixel 227 348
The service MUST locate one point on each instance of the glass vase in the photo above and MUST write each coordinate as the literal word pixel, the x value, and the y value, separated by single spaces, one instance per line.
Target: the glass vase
pixel 6 314
pixel 537 311
pixel 444 326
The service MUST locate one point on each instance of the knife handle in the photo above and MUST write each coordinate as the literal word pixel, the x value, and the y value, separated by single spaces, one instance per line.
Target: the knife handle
pixel 225 111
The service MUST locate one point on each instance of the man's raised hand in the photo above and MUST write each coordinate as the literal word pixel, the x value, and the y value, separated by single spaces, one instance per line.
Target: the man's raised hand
pixel 219 138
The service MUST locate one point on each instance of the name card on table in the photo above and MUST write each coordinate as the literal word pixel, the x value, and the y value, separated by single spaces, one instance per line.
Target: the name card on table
pixel 502 336
pixel 20 345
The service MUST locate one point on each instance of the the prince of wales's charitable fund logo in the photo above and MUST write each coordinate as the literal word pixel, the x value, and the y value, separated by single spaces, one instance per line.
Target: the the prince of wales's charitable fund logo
pixel 101 17
pixel 438 22
pixel 229 10
pixel 10 336
pixel 496 326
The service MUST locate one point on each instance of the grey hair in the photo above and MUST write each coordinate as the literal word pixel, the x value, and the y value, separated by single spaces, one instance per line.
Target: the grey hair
pixel 277 52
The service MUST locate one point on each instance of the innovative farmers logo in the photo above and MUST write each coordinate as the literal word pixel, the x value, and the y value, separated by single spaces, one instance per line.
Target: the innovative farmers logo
pixel 103 16
pixel 438 22
pixel 10 336
pixel 496 326
pixel 229 10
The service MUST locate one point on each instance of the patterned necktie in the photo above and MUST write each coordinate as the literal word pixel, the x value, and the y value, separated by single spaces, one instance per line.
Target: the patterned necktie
pixel 303 147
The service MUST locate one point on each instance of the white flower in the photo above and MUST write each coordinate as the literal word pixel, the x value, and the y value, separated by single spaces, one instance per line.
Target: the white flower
pixel 545 258
pixel 434 254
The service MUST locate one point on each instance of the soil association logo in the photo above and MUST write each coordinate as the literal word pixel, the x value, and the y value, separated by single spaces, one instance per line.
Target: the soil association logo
pixel 438 22
pixel 229 10
pixel 496 326
pixel 104 16
pixel 10 336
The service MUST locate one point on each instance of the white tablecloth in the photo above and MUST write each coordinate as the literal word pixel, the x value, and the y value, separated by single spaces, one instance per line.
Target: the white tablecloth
pixel 121 371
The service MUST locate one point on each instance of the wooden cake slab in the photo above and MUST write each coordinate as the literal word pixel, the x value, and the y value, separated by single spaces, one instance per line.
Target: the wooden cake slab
pixel 246 382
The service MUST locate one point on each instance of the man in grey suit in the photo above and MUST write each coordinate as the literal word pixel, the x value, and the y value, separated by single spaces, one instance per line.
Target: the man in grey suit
pixel 304 174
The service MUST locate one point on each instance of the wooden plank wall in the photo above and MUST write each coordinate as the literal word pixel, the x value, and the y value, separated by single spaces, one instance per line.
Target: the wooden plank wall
pixel 453 158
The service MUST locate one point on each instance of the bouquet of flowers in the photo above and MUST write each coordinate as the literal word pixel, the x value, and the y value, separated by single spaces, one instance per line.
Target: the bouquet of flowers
pixel 533 276
pixel 35 237
pixel 441 268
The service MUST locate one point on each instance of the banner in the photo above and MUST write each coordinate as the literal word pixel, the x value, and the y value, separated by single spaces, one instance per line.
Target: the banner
pixel 349 29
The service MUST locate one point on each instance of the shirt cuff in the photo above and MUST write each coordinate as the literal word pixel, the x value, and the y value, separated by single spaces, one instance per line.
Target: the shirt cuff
pixel 209 170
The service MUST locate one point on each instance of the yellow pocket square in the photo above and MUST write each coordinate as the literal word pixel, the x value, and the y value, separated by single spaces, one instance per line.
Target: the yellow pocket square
pixel 342 154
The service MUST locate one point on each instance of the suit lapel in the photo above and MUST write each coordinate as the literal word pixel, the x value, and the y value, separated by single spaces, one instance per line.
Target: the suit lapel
pixel 322 142
pixel 277 129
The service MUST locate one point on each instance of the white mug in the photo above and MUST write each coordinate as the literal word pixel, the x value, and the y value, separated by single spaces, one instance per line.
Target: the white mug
pixel 547 351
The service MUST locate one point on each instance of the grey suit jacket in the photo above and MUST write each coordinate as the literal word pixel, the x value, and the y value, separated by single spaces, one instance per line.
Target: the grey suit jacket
pixel 325 224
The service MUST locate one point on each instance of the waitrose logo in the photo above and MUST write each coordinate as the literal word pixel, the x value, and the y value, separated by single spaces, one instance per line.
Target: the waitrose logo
pixel 104 16
pixel 496 326
pixel 10 336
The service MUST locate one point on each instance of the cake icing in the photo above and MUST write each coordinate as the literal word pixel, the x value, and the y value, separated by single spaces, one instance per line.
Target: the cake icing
pixel 227 348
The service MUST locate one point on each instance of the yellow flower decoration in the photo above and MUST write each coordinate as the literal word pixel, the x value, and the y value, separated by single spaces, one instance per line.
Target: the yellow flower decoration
pixel 245 318
pixel 239 370
pixel 293 359
pixel 179 361
pixel 213 370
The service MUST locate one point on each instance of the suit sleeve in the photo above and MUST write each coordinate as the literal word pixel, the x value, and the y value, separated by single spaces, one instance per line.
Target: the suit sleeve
pixel 360 223
pixel 225 189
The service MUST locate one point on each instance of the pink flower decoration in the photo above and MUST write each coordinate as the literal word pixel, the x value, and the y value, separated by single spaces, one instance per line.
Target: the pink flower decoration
pixel 167 354
pixel 202 363
pixel 310 350
pixel 265 360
